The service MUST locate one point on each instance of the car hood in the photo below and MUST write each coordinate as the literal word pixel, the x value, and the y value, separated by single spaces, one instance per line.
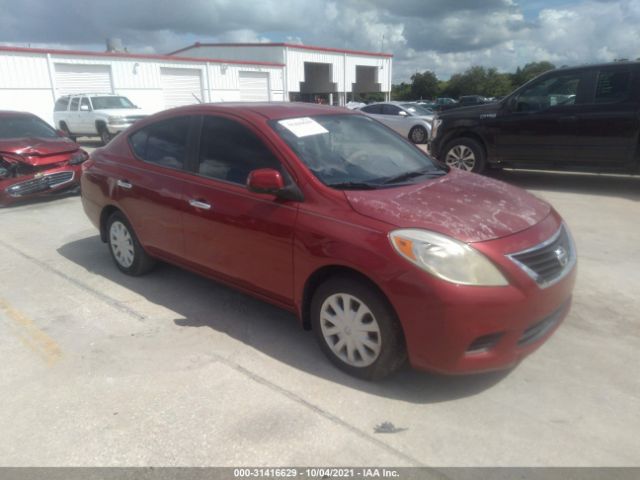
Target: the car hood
pixel 473 110
pixel 465 206
pixel 34 150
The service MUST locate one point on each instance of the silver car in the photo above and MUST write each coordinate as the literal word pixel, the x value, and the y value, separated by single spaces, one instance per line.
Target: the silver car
pixel 408 119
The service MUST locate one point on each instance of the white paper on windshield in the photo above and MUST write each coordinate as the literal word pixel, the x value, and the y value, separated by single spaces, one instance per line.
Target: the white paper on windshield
pixel 303 126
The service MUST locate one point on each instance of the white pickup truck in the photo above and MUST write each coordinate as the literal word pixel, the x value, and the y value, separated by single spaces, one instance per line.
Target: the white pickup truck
pixel 91 115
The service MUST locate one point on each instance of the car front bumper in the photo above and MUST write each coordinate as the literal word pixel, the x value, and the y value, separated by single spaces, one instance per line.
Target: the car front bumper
pixel 459 329
pixel 39 184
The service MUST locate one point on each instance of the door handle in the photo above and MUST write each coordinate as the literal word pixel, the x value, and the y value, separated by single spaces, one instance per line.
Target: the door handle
pixel 200 204
pixel 124 184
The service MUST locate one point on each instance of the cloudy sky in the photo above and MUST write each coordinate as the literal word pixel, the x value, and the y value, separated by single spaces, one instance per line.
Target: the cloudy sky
pixel 445 36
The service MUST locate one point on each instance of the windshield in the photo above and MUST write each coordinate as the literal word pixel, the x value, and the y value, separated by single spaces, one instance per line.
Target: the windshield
pixel 354 151
pixel 417 109
pixel 105 103
pixel 25 126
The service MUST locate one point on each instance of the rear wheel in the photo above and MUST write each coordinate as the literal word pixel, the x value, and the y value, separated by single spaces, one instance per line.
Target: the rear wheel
pixel 465 154
pixel 125 248
pixel 356 329
pixel 67 132
pixel 418 135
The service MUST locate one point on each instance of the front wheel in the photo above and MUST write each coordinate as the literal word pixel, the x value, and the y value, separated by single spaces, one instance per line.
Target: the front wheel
pixel 465 154
pixel 356 329
pixel 418 135
pixel 125 248
pixel 105 136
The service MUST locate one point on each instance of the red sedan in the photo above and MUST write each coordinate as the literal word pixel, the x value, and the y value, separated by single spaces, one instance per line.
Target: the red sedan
pixel 327 213
pixel 35 159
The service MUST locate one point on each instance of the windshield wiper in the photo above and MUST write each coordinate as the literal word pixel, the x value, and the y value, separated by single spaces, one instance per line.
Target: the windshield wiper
pixel 413 174
pixel 353 186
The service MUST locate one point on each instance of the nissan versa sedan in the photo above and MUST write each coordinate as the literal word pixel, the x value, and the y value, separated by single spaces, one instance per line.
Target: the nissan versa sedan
pixel 325 212
pixel 35 159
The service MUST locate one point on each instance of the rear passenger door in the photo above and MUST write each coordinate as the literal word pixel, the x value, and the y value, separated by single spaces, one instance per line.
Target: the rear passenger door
pixel 149 187
pixel 608 126
pixel 244 237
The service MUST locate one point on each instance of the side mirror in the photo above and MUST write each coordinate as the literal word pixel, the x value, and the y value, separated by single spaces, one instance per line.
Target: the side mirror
pixel 4 173
pixel 265 180
pixel 402 113
pixel 61 133
pixel 84 108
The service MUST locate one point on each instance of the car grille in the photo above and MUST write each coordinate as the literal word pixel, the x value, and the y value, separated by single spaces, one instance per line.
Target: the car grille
pixel 549 261
pixel 40 184
pixel 133 118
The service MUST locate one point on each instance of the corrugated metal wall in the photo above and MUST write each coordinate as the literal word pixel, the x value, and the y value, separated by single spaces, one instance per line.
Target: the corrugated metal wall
pixel 28 81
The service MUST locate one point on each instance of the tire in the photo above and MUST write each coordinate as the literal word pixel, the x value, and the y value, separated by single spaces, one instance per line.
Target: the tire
pixel 384 351
pixel 418 135
pixel 466 154
pixel 105 136
pixel 126 251
pixel 67 132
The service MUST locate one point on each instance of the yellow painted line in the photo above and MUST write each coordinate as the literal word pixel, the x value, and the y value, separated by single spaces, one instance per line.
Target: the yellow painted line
pixel 30 335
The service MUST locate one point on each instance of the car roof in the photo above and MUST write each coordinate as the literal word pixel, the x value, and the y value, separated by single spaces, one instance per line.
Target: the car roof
pixel 14 113
pixel 270 110
pixel 90 94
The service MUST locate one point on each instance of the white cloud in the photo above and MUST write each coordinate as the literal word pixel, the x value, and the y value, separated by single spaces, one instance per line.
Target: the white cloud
pixel 440 35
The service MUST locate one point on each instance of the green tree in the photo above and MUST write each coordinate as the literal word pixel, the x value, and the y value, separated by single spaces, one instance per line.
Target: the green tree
pixel 477 80
pixel 424 85
pixel 401 92
pixel 529 71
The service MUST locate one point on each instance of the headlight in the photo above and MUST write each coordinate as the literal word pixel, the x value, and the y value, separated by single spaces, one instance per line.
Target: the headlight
pixel 78 157
pixel 446 258
pixel 434 128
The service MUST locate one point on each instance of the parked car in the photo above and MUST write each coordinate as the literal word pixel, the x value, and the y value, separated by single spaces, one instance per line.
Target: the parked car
pixel 583 118
pixel 410 120
pixel 329 214
pixel 90 115
pixel 35 159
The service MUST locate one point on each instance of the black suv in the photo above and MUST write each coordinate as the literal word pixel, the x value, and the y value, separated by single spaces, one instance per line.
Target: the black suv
pixel 584 118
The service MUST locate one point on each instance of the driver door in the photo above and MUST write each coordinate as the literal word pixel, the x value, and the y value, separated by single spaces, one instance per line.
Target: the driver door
pixel 244 237
pixel 538 125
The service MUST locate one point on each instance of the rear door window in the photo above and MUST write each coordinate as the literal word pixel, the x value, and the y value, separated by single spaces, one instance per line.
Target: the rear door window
pixel 84 104
pixel 75 102
pixel 375 109
pixel 163 143
pixel 613 86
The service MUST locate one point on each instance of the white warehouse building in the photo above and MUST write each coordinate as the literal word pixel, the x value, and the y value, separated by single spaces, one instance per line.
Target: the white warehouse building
pixel 32 79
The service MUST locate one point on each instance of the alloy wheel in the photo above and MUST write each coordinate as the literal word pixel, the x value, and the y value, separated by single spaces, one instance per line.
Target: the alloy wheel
pixel 462 157
pixel 350 330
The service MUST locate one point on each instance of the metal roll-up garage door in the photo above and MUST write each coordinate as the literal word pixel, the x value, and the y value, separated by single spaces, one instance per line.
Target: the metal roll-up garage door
pixel 77 78
pixel 181 86
pixel 254 87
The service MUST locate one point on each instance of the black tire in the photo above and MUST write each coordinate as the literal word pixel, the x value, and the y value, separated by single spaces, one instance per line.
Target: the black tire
pixel 67 132
pixel 419 135
pixel 141 262
pixel 105 136
pixel 392 352
pixel 454 155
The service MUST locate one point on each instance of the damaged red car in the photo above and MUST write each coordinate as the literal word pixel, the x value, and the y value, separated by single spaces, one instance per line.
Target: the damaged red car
pixel 35 159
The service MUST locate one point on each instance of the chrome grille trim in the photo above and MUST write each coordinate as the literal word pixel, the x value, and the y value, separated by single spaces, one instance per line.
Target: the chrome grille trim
pixel 545 268
pixel 40 184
